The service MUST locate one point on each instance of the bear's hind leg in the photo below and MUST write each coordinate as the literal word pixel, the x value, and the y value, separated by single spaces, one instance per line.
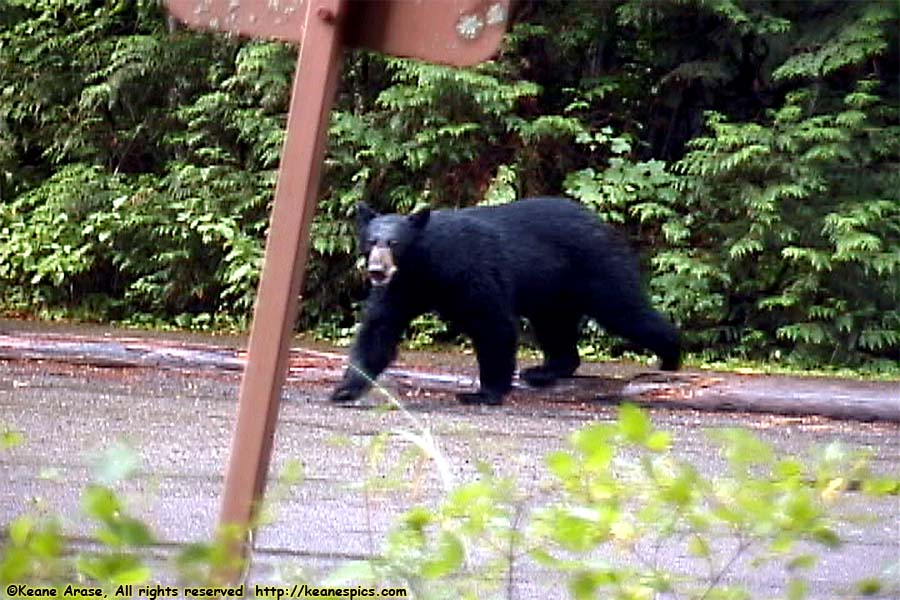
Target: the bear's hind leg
pixel 558 340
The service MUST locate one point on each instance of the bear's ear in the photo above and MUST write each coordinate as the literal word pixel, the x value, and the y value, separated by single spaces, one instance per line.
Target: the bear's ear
pixel 419 218
pixel 364 214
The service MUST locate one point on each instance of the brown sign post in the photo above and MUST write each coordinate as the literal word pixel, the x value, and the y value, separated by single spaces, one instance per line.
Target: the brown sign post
pixel 453 32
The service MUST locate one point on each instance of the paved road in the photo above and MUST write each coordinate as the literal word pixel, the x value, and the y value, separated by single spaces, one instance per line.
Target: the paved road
pixel 176 409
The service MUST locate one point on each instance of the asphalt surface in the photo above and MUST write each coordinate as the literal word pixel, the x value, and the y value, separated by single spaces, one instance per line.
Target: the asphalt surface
pixel 75 394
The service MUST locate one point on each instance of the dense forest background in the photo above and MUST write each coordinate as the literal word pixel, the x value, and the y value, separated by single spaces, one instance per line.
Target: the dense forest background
pixel 750 149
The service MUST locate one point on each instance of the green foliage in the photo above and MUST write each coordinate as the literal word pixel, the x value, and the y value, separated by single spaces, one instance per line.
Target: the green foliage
pixel 609 507
pixel 159 250
pixel 10 438
pixel 777 237
pixel 616 502
pixel 806 229
pixel 425 331
pixel 36 552
pixel 35 548
pixel 749 148
pixel 149 197
pixel 855 36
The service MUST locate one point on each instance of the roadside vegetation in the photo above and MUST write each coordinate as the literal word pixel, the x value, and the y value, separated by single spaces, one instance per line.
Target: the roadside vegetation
pixel 610 506
pixel 748 147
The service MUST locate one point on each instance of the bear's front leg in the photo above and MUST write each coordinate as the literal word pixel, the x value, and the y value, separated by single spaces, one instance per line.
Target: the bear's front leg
pixel 352 386
pixel 374 349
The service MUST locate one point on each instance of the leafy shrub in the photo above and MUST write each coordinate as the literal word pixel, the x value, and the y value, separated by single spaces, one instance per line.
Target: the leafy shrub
pixel 617 502
pixel 748 148
pixel 611 505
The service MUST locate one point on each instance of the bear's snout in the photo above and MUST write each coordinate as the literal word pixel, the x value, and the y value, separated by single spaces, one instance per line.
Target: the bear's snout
pixel 380 266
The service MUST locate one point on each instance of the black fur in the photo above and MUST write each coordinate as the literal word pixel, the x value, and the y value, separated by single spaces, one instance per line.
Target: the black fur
pixel 546 259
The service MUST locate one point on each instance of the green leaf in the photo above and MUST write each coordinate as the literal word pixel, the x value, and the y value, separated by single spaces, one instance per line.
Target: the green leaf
pixel 880 486
pixel 583 586
pixel 351 572
pixel 827 537
pixel 20 529
pixel 698 546
pixel 115 464
pixel 869 586
pixel 562 464
pixel 418 518
pixel 47 541
pixel 101 503
pixel 802 562
pixel 10 439
pixel 634 423
pixel 114 569
pixel 133 576
pixel 448 557
pixel 132 532
pixel 659 441
pixel 797 589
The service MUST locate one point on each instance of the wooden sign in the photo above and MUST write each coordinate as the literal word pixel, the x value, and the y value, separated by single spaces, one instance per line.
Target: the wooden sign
pixel 452 32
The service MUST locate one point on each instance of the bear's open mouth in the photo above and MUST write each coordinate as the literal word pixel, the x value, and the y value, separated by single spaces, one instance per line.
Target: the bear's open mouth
pixel 381 276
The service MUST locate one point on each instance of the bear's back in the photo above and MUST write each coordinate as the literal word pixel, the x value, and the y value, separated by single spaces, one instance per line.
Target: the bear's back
pixel 547 249
pixel 546 219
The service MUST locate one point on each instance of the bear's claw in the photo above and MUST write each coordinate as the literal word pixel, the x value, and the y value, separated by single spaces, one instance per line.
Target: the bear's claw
pixel 345 395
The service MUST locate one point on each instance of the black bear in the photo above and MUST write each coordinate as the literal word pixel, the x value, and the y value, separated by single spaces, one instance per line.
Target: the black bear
pixel 549 260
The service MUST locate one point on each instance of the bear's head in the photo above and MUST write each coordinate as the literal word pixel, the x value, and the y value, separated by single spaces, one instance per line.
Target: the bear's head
pixel 384 239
